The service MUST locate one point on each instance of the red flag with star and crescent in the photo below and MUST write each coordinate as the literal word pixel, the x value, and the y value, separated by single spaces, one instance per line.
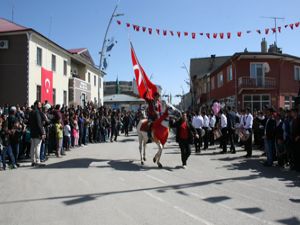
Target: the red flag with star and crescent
pixel 47 86
pixel 145 87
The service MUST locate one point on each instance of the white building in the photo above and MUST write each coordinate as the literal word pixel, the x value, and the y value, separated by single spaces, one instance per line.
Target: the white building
pixel 23 54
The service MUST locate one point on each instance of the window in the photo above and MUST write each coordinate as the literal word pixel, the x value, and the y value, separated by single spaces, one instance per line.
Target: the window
pixel 287 102
pixel 229 73
pixel 38 92
pixel 95 80
pixel 53 63
pixel 256 102
pixel 65 98
pixel 297 73
pixel 220 79
pixel 257 73
pixel 65 67
pixel 89 77
pixel 100 82
pixel 54 96
pixel 39 56
pixel 212 83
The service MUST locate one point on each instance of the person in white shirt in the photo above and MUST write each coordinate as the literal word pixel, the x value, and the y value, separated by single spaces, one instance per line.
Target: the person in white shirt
pixel 197 123
pixel 205 127
pixel 248 122
pixel 212 124
pixel 67 136
pixel 223 123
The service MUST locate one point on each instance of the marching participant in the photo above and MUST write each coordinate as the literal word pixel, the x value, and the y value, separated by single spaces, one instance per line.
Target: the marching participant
pixel 248 122
pixel 197 123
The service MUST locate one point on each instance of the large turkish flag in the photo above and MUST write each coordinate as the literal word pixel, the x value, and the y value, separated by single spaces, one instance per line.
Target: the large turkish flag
pixel 144 85
pixel 47 86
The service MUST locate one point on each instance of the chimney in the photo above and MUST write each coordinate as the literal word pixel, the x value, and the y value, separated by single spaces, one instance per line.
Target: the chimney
pixel 264 48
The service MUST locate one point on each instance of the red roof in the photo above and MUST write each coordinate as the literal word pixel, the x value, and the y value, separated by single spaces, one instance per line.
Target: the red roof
pixel 8 26
pixel 77 50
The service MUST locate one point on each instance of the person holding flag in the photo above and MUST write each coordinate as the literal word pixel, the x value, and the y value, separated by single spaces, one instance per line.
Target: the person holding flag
pixel 148 91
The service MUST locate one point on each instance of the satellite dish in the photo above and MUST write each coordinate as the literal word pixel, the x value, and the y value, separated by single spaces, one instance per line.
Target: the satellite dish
pixel 266 67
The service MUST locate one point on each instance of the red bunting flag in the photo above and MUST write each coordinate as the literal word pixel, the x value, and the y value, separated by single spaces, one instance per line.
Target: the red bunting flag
pixel 208 35
pixel 119 22
pixel 144 29
pixel 228 35
pixel 274 30
pixel 186 33
pixel 291 26
pixel 239 34
pixel 145 87
pixel 164 32
pixel 267 30
pixel 215 35
pixel 258 31
pixel 136 27
pixel 297 24
pixel 279 29
pixel 221 35
pixel 157 31
pixel 193 35
pixel 178 33
pixel 127 24
pixel 172 33
pixel 150 30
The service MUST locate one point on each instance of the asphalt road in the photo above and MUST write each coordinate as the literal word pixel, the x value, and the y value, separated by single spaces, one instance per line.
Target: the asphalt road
pixel 105 184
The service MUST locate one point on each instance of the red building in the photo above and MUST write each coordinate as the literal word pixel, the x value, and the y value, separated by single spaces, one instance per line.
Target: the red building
pixel 253 79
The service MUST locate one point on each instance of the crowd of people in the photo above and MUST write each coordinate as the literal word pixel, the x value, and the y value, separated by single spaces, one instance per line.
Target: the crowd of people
pixel 40 130
pixel 277 134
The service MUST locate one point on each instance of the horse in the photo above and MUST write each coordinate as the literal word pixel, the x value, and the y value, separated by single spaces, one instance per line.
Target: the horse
pixel 159 131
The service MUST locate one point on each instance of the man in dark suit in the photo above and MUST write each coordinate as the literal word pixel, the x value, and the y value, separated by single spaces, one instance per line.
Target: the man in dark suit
pixel 269 137
pixel 231 118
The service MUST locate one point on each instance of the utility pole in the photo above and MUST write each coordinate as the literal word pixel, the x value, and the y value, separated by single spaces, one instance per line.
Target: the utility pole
pixel 103 46
pixel 275 23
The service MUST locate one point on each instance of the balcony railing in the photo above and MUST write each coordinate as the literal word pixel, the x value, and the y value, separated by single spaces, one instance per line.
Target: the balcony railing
pixel 256 83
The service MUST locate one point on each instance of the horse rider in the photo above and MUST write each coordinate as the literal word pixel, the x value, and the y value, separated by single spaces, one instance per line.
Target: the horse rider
pixel 153 111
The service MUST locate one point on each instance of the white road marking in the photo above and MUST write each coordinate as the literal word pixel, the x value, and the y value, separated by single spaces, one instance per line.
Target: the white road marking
pixel 153 196
pixel 96 164
pixel 156 179
pixel 233 210
pixel 121 179
pixel 192 216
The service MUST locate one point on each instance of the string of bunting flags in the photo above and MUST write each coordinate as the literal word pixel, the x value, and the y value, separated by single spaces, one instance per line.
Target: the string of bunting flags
pixel 193 35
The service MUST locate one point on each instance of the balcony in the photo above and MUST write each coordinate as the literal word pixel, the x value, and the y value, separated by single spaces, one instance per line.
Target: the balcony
pixel 250 83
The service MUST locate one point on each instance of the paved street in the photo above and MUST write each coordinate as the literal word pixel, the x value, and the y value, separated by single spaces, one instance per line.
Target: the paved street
pixel 105 184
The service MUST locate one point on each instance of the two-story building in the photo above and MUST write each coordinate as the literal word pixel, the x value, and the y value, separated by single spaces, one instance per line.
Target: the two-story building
pixel 256 79
pixel 25 53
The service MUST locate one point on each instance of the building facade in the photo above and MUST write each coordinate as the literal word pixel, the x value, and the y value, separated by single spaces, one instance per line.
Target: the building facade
pixel 23 55
pixel 253 79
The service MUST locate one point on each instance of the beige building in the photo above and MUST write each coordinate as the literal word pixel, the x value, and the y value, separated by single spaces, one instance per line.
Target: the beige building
pixel 24 51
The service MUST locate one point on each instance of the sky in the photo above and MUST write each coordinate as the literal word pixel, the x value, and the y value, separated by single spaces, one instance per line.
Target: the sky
pixel 77 23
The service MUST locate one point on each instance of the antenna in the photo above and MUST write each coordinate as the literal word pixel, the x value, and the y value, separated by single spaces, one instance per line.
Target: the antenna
pixel 12 11
pixel 275 18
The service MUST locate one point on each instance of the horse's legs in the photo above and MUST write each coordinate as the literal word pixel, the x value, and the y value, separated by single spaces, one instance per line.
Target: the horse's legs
pixel 140 148
pixel 144 153
pixel 158 155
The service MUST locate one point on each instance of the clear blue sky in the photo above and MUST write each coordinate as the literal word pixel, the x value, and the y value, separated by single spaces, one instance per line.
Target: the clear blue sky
pixel 83 23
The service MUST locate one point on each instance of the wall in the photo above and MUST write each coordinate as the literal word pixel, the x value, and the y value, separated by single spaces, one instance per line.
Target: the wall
pixel 13 70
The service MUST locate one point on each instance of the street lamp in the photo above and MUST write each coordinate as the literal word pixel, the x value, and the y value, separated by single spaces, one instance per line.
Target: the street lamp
pixel 190 83
pixel 103 46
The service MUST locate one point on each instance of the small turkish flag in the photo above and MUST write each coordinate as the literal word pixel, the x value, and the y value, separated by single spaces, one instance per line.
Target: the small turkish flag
pixel 119 22
pixel 47 86
pixel 239 34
